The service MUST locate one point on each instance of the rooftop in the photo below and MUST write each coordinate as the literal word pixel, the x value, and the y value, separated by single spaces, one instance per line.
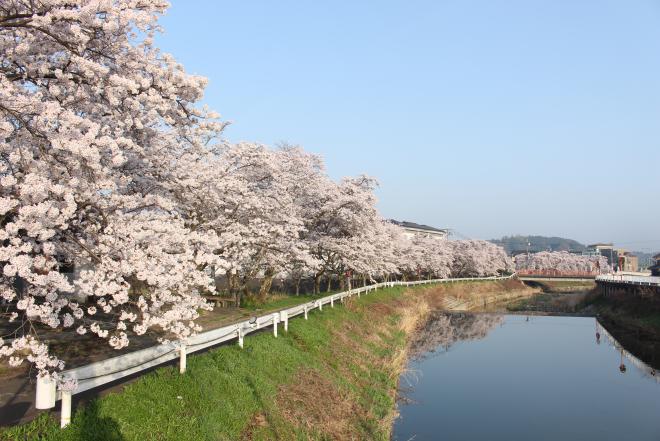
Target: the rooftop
pixel 601 245
pixel 406 224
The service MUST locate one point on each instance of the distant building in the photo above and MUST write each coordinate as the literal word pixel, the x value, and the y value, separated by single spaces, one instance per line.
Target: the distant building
pixel 412 229
pixel 603 249
pixel 655 268
pixel 618 258
pixel 628 261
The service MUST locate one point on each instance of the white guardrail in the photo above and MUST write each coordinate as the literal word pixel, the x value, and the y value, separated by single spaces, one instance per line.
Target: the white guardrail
pixel 627 279
pixel 106 371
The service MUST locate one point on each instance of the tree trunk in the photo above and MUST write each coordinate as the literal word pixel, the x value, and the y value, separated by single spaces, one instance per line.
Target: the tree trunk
pixel 364 280
pixel 298 286
pixel 242 293
pixel 342 284
pixel 329 284
pixel 266 284
pixel 317 283
pixel 232 283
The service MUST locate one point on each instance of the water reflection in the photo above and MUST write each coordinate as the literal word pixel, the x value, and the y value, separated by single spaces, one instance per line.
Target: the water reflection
pixel 644 369
pixel 444 329
pixel 523 378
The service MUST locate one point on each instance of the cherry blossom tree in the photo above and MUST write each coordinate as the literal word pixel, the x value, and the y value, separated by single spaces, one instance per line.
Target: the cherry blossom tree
pixel 432 257
pixel 120 204
pixel 561 262
pixel 342 218
pixel 92 119
pixel 244 195
pixel 479 258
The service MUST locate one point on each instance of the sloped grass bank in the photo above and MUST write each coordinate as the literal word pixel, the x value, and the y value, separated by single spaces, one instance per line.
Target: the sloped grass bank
pixel 633 320
pixel 332 377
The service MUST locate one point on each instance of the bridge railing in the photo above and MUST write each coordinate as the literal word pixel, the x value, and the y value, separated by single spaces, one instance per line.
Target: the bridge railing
pixel 628 279
pixel 106 371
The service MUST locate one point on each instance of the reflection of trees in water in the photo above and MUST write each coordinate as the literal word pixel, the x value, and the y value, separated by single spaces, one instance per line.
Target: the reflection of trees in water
pixel 442 330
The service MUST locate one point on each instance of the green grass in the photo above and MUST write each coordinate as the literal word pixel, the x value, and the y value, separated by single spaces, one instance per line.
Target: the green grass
pixel 225 389
pixel 634 312
pixel 651 320
pixel 531 302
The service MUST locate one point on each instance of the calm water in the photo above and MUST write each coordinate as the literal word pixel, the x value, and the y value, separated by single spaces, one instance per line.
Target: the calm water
pixel 505 378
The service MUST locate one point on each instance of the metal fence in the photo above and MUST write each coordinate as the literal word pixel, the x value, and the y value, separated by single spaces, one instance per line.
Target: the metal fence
pixel 106 371
pixel 630 280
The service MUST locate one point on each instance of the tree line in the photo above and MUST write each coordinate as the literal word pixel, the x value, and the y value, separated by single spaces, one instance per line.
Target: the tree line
pixel 121 204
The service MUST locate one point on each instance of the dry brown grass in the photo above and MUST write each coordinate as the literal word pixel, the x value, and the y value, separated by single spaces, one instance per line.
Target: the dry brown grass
pixel 315 404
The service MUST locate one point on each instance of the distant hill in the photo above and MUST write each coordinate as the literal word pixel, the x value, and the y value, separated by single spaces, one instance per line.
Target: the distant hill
pixel 518 244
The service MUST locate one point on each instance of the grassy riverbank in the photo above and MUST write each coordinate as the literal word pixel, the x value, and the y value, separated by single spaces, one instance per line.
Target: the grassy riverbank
pixel 566 286
pixel 634 321
pixel 556 297
pixel 331 377
pixel 555 303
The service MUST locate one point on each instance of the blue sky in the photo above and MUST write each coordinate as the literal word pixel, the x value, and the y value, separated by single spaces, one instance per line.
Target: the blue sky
pixel 487 117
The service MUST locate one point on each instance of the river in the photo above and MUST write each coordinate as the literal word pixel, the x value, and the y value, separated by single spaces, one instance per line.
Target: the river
pixel 505 377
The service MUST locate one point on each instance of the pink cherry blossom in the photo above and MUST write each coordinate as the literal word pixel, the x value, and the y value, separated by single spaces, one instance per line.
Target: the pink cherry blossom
pixel 121 205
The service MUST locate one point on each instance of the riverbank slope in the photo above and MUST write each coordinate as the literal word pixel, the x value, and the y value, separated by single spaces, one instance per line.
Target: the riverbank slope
pixel 633 320
pixel 334 376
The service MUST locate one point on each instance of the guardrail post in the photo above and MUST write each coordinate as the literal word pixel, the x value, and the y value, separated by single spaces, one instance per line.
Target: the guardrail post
pixel 275 320
pixel 65 414
pixel 305 309
pixel 320 305
pixel 46 393
pixel 182 358
pixel 240 338
pixel 332 301
pixel 284 316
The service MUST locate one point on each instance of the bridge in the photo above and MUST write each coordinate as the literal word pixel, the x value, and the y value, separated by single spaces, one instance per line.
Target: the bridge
pixel 628 285
pixel 635 279
pixel 629 279
pixel 531 278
